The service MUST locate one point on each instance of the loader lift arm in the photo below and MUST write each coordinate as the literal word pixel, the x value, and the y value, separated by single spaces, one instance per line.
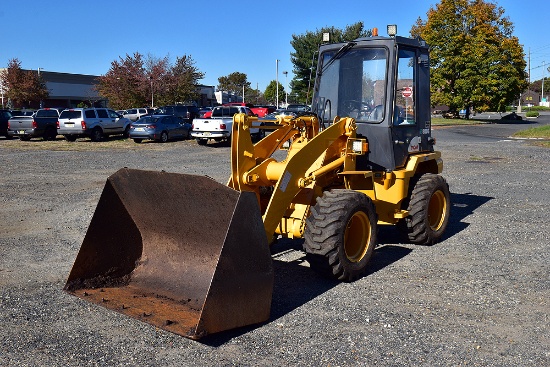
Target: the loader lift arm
pixel 311 151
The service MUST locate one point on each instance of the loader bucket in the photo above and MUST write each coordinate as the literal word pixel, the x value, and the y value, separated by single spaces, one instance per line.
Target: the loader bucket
pixel 181 252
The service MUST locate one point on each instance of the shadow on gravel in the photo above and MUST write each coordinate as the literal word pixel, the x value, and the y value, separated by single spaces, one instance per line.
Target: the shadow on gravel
pixel 296 284
pixel 463 205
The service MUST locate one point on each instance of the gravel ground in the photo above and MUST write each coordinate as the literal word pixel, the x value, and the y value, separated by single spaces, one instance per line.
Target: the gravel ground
pixel 478 298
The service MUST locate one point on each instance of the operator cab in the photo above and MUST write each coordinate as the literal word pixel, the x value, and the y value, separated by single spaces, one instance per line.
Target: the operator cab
pixel 383 83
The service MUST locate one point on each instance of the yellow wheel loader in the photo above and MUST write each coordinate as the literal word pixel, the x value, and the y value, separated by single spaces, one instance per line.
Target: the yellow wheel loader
pixel 363 157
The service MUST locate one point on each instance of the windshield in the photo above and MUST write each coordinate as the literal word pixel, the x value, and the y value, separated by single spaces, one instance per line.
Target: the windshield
pixel 352 84
pixel 47 113
pixel 71 114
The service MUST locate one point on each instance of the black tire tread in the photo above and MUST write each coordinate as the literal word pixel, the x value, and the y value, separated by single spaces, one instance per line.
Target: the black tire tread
pixel 417 227
pixel 324 233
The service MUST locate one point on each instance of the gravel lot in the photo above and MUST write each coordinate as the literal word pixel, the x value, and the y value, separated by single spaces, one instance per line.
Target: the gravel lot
pixel 479 298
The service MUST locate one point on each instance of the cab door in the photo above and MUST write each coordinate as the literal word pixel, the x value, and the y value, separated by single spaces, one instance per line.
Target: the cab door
pixel 411 114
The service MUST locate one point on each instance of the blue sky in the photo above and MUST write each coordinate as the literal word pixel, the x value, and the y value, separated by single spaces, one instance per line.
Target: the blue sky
pixel 221 36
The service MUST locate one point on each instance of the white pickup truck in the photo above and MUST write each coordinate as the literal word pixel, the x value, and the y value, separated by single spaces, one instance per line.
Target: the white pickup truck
pixel 218 127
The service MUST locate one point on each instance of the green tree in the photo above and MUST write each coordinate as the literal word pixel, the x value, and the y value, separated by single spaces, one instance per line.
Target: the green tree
pixel 183 80
pixel 270 93
pixel 304 57
pixel 475 60
pixel 234 83
pixel 23 88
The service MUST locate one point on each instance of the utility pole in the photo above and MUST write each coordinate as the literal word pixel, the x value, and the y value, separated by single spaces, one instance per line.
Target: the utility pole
pixel 285 73
pixel 41 102
pixel 542 96
pixel 277 82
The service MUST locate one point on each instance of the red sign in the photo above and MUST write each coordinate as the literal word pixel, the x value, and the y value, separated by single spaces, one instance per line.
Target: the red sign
pixel 407 92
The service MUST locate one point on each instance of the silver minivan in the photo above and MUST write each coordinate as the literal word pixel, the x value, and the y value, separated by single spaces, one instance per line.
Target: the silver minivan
pixel 134 114
pixel 95 123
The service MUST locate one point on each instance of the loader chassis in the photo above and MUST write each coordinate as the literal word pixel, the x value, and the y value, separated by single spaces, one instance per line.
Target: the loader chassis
pixel 364 157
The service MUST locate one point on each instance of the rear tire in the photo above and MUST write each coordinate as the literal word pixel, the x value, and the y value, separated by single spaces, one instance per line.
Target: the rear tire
pixel 70 137
pixel 50 134
pixel 340 234
pixel 164 137
pixel 96 135
pixel 429 209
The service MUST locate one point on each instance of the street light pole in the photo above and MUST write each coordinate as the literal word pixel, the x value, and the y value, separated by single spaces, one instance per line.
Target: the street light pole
pixel 541 98
pixel 285 73
pixel 277 81
pixel 152 93
pixel 41 102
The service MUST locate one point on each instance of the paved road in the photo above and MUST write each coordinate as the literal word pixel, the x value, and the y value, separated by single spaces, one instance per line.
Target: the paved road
pixel 478 298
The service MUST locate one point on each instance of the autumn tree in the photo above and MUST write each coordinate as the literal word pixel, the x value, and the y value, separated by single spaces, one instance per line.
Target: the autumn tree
pixel 137 80
pixel 537 86
pixel 475 60
pixel 304 57
pixel 23 88
pixel 125 83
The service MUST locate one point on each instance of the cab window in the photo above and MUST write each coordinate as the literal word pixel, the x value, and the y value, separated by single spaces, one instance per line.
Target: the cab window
pixel 404 113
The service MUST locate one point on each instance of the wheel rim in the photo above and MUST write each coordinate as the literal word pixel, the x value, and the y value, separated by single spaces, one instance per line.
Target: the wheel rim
pixel 437 209
pixel 357 237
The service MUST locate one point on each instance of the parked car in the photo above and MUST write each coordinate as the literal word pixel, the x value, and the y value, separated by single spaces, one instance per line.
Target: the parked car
pixel 5 115
pixel 186 113
pixel 512 116
pixel 42 124
pixel 134 114
pixel 205 112
pixel 219 126
pixel 22 112
pixel 450 115
pixel 160 128
pixel 273 116
pixel 95 123
pixel 298 108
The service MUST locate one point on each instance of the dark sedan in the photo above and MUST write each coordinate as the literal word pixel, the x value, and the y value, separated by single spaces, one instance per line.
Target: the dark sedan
pixel 5 115
pixel 159 128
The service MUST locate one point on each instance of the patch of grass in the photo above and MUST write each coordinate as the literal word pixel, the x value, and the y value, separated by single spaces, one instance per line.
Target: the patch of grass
pixel 540 132
pixel 440 121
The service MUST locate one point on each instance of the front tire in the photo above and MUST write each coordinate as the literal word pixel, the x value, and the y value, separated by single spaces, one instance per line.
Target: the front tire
pixel 340 234
pixel 429 209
